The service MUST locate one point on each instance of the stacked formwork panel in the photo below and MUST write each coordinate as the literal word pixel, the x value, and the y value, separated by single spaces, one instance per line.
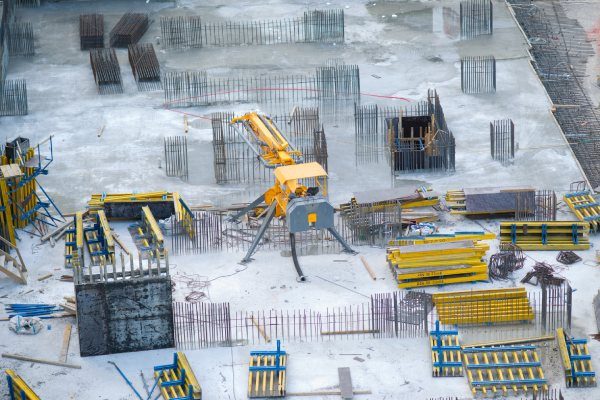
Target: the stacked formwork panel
pixel 145 66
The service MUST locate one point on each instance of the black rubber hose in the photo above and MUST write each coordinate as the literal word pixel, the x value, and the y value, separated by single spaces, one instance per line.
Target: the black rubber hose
pixel 301 276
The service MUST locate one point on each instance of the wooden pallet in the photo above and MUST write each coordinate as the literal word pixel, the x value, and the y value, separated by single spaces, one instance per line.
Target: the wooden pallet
pixel 446 353
pixel 504 369
pixel 18 389
pixel 576 360
pixel 483 306
pixel 177 380
pixel 267 373
pixel 546 235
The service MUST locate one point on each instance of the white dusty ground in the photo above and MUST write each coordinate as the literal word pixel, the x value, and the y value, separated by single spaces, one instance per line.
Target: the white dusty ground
pixel 391 40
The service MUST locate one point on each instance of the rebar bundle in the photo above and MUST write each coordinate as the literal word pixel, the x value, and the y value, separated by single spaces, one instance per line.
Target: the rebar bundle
pixel 107 72
pixel 181 32
pixel 567 257
pixel 502 140
pixel 536 206
pixel 145 66
pixel 13 97
pixel 91 31
pixel 176 157
pixel 20 39
pixel 130 28
pixel 478 74
pixel 338 82
pixel 508 260
pixel 476 18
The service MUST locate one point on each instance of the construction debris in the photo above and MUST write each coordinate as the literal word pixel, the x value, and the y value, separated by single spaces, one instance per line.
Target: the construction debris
pixel 543 274
pixel 567 257
pixel 485 200
pixel 91 31
pixel 18 389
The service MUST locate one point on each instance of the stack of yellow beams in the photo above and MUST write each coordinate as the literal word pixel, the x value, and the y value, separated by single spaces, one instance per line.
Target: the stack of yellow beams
pixel 98 200
pixel 431 264
pixel 442 238
pixel 483 306
pixel 546 235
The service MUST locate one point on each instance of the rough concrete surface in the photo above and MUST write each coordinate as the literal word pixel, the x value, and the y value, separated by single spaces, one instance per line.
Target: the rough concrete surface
pixel 401 52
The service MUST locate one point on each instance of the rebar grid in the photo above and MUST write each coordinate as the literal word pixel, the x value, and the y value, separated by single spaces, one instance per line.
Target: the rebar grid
pixel 478 74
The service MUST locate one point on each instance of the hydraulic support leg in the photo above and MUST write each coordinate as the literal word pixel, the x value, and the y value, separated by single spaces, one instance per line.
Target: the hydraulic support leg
pixel 260 233
pixel 340 239
pixel 239 214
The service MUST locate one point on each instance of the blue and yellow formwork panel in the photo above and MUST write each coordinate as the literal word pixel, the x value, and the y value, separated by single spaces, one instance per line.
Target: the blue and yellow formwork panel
pixel 177 381
pixel 152 231
pixel 446 356
pixel 576 360
pixel 267 373
pixel 504 370
pixel 438 263
pixel 74 238
pixel 184 215
pixel 546 235
pixel 100 242
pixel 18 389
pixel 585 207
pixel 486 306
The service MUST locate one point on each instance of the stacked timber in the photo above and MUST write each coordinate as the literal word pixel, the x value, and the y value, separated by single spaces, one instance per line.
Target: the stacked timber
pixel 483 306
pixel 546 235
pixel 431 264
pixel 488 201
pixel 585 207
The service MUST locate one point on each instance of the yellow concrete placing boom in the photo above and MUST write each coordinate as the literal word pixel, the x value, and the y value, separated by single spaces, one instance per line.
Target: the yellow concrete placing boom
pixel 304 207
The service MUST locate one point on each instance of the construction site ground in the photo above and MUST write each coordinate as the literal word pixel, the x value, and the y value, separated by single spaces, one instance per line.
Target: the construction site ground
pixel 114 144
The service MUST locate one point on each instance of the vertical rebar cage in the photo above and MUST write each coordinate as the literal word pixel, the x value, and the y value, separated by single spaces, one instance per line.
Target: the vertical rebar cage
pixel 478 74
pixel 176 157
pixel 476 18
pixel 502 141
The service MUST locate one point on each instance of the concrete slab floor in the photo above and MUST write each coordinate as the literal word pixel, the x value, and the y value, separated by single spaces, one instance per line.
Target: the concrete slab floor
pixel 401 51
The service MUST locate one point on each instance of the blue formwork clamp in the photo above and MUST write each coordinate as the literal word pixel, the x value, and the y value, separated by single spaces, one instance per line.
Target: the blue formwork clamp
pixel 513 233
pixel 167 366
pixel 574 230
pixel 544 234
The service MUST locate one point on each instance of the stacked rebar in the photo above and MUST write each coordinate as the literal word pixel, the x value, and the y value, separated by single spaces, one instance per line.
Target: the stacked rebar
pixel 185 89
pixel 20 39
pixel 107 72
pixel 502 140
pixel 176 157
pixel 145 66
pixel 476 18
pixel 478 74
pixel 181 32
pixel 129 30
pixel 91 31
pixel 13 97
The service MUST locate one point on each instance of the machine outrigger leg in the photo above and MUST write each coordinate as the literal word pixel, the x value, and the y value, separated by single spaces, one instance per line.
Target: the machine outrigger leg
pixel 345 245
pixel 243 211
pixel 261 231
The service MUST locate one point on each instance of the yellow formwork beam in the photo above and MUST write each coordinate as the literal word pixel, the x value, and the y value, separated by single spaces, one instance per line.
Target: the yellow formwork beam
pixel 173 374
pixel 476 295
pixel 17 387
pixel 443 281
pixel 428 274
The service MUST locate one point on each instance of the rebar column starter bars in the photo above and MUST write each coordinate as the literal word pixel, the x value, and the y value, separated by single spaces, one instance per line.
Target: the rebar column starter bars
pixel 107 72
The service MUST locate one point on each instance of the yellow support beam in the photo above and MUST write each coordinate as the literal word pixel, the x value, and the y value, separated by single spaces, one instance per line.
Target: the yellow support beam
pixel 546 235
pixel 18 389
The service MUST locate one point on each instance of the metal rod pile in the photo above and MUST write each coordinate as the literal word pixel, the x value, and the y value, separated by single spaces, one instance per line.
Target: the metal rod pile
pixel 476 18
pixel 129 30
pixel 107 72
pixel 145 66
pixel 181 32
pixel 478 74
pixel 20 39
pixel 91 31
pixel 502 140
pixel 13 97
pixel 176 157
